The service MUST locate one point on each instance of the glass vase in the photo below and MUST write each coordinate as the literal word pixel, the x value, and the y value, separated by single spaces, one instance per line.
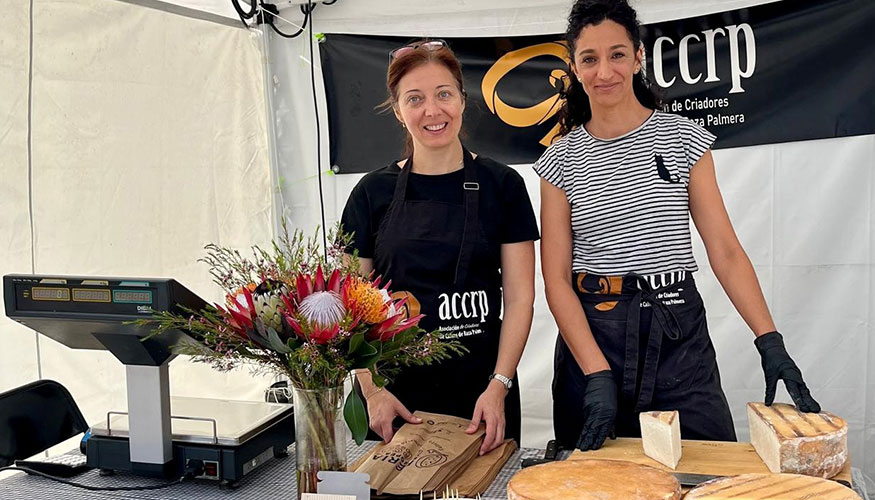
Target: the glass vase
pixel 321 434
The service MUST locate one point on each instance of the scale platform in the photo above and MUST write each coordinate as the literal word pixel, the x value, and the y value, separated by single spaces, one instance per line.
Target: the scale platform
pixel 231 437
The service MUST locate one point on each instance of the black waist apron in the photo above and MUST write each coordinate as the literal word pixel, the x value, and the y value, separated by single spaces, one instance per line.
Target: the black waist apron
pixel 438 253
pixel 654 335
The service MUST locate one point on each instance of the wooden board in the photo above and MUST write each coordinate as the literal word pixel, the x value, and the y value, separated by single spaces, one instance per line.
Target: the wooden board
pixel 716 458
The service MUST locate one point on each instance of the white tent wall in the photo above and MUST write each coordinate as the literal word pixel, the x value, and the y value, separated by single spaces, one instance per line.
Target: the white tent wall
pixel 803 212
pixel 149 140
pixel 18 358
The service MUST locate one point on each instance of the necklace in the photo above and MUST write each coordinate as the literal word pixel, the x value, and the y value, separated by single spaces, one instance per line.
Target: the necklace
pixel 458 167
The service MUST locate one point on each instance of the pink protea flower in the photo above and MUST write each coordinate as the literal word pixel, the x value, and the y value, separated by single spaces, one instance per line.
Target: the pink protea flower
pixel 316 302
pixel 323 309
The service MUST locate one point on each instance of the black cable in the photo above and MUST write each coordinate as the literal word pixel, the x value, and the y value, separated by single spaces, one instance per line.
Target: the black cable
pixel 253 6
pixel 94 488
pixel 193 468
pixel 318 139
pixel 307 12
pixel 332 2
pixel 242 20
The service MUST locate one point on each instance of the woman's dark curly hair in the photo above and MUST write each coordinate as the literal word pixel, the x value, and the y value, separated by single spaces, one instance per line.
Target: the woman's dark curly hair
pixel 575 109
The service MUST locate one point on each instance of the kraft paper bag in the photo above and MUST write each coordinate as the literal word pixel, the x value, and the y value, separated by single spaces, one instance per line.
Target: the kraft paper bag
pixel 422 457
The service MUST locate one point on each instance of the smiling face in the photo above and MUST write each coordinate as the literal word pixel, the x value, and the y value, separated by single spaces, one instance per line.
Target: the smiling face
pixel 605 62
pixel 430 105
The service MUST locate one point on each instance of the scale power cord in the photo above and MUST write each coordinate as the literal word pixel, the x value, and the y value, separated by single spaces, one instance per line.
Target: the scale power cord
pixel 193 469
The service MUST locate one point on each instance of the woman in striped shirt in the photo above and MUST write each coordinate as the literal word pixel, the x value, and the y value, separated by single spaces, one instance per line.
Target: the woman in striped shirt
pixel 617 190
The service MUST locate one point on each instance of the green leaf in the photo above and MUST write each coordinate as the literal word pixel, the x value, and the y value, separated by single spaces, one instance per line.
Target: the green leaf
pixel 275 343
pixel 367 355
pixel 355 416
pixel 355 342
pixel 367 349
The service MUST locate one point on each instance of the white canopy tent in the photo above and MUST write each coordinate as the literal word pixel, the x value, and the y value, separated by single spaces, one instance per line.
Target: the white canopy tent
pixel 133 132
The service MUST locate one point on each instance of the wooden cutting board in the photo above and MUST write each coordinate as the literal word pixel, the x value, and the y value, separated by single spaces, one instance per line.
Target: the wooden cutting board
pixel 715 458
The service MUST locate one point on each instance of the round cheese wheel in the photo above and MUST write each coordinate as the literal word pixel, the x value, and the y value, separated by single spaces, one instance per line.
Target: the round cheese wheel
pixel 592 479
pixel 771 487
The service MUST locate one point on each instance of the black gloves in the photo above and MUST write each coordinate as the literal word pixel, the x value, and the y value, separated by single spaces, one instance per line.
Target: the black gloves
pixel 777 364
pixel 599 410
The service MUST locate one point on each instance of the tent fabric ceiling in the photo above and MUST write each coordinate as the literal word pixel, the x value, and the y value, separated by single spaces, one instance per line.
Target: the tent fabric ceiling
pixel 524 10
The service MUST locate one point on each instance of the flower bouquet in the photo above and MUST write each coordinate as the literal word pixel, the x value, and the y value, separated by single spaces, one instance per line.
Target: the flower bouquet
pixel 312 318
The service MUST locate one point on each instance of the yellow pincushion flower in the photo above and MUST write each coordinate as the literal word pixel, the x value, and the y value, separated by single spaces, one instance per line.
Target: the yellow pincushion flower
pixel 366 301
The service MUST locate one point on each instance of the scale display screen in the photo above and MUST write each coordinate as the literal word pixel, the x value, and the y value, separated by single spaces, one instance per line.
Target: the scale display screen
pixel 132 296
pixel 45 293
pixel 91 295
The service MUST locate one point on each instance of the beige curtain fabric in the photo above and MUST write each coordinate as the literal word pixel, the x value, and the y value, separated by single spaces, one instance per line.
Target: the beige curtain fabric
pixel 149 141
pixel 18 359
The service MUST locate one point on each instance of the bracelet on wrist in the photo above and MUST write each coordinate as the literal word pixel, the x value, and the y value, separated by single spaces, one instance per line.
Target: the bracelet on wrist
pixel 376 390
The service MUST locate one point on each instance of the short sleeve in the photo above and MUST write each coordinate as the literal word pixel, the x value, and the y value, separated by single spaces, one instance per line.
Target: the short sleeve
pixel 550 165
pixel 518 217
pixel 696 140
pixel 356 220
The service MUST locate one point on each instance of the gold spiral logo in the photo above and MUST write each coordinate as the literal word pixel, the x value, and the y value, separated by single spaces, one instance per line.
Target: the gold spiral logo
pixel 533 115
pixel 412 307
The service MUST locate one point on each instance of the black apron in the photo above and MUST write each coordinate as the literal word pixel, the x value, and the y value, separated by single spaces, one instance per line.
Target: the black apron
pixel 656 341
pixel 438 253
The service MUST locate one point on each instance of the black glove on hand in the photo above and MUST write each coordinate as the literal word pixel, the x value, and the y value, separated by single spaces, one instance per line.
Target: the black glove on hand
pixel 599 410
pixel 777 364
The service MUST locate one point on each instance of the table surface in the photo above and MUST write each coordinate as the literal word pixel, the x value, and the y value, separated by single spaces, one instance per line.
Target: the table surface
pixel 273 480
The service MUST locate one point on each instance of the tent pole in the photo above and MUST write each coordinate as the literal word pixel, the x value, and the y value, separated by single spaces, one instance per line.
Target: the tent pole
pixel 276 194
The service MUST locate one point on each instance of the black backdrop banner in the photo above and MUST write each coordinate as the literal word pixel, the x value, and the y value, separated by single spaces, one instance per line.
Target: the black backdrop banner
pixel 793 70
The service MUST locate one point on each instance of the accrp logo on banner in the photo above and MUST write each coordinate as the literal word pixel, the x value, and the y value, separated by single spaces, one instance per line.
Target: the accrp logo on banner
pixel 736 72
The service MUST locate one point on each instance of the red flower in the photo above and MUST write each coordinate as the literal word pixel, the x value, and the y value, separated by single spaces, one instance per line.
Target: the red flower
pixel 321 335
pixel 395 323
pixel 240 317
pixel 305 286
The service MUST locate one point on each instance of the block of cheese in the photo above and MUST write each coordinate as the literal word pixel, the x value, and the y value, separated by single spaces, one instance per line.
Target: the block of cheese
pixel 813 444
pixel 592 479
pixel 661 436
pixel 771 487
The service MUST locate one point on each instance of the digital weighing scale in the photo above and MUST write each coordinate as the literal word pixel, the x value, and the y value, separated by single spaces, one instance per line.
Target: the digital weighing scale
pixel 158 435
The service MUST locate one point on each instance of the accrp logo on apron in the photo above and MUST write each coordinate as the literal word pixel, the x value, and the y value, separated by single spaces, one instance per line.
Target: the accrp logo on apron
pixel 463 314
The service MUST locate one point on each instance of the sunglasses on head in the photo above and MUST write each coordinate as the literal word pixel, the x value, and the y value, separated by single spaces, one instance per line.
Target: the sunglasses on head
pixel 429 45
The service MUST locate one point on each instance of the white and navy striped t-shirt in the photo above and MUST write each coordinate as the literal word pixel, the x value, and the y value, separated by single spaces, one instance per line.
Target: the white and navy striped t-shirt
pixel 628 195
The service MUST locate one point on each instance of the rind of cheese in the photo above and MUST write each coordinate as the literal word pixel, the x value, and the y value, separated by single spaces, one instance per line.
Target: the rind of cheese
pixel 592 479
pixel 787 440
pixel 661 436
pixel 666 417
pixel 771 487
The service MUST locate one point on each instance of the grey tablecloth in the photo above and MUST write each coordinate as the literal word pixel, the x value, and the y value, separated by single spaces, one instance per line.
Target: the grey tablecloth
pixel 273 480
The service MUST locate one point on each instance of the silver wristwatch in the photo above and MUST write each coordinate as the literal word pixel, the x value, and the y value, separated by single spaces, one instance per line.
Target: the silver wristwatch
pixel 508 383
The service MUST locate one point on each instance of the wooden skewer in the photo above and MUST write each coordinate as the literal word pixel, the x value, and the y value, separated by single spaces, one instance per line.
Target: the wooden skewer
pixel 448 494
